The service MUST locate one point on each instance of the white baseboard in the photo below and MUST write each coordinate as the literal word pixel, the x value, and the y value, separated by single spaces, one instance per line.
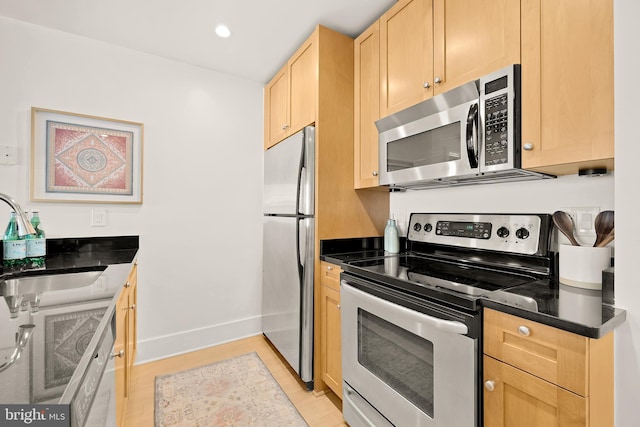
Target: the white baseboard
pixel 164 346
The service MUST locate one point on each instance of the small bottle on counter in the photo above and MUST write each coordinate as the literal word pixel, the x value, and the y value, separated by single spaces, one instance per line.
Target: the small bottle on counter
pixel 14 249
pixel 36 243
pixel 391 240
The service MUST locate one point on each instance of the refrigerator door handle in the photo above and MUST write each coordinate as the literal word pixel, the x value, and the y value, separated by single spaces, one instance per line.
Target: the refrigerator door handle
pixel 306 269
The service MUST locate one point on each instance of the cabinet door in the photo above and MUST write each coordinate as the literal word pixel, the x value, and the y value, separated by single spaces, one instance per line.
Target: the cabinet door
pixel 276 108
pixel 332 348
pixel 406 55
pixel 132 318
pixel 120 361
pixel 473 38
pixel 302 86
pixel 567 85
pixel 331 353
pixel 366 107
pixel 515 398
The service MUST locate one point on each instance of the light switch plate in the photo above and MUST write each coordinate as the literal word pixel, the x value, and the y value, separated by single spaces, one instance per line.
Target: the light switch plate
pixel 8 155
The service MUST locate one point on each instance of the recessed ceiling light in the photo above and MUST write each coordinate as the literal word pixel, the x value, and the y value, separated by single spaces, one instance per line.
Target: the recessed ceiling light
pixel 223 31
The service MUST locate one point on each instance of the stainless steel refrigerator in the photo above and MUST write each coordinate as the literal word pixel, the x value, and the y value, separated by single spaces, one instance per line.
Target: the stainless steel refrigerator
pixel 288 250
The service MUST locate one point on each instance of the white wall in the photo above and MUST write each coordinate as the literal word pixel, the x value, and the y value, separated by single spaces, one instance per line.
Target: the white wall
pixel 200 223
pixel 627 93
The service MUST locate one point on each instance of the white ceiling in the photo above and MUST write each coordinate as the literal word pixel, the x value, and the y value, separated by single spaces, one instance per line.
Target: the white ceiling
pixel 264 32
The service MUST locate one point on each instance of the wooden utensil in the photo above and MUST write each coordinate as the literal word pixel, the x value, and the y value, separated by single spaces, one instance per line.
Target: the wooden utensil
pixel 603 225
pixel 608 239
pixel 563 221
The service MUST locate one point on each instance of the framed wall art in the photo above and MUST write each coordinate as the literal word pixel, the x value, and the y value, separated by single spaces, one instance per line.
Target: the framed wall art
pixel 85 159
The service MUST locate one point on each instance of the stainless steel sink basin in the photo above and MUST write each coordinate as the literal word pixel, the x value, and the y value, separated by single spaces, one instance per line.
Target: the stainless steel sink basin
pixel 36 284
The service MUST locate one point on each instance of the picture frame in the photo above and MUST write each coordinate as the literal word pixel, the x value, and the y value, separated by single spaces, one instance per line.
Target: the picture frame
pixel 63 333
pixel 85 159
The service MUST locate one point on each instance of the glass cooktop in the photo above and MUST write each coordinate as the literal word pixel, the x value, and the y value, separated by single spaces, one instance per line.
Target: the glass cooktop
pixel 452 282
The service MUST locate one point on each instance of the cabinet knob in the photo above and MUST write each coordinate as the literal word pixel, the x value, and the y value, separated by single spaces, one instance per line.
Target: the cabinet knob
pixel 374 173
pixel 437 80
pixel 127 285
pixel 528 146
pixel 329 268
pixel 338 306
pixel 490 385
pixel 118 354
pixel 524 331
pixel 426 85
pixel 133 307
pixel 284 127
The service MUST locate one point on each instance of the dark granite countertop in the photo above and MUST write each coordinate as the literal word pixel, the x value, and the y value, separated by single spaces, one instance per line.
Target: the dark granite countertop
pixel 576 310
pixel 67 321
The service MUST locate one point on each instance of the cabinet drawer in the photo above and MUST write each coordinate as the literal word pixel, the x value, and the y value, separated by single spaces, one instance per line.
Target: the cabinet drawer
pixel 554 355
pixel 330 275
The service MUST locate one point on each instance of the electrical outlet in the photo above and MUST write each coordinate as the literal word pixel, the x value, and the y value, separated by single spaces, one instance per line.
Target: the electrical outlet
pixel 583 220
pixel 98 217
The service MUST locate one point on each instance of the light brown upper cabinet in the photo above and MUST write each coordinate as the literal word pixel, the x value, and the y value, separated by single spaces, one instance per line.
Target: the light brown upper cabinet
pixel 366 106
pixel 567 85
pixel 472 38
pixel 290 97
pixel 406 55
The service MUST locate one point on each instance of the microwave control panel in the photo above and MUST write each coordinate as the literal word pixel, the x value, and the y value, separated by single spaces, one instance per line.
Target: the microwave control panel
pixel 496 130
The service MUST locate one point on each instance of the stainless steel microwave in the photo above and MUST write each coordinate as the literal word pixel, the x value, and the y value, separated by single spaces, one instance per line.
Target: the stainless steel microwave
pixel 468 135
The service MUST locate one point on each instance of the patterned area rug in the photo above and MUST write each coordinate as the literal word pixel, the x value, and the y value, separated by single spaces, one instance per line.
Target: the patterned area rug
pixel 235 392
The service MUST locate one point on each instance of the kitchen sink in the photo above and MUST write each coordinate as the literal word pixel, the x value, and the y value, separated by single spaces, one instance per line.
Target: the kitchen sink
pixel 36 284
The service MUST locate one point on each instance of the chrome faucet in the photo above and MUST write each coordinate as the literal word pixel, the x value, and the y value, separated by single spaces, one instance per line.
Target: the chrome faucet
pixel 24 225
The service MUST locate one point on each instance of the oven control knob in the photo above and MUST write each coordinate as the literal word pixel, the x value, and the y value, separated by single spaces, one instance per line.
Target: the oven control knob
pixel 417 226
pixel 503 232
pixel 428 228
pixel 522 233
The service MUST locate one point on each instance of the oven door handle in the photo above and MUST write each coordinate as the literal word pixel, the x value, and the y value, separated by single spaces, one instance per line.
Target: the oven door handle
pixel 447 326
pixel 450 326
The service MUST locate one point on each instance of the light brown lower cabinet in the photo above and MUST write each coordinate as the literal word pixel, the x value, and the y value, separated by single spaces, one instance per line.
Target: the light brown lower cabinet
pixel 538 375
pixel 331 352
pixel 125 342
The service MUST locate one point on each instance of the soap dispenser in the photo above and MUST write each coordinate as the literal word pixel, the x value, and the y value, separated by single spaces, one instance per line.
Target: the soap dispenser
pixel 391 240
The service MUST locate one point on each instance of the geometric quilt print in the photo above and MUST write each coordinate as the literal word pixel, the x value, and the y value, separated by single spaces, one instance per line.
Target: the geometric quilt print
pixel 85 159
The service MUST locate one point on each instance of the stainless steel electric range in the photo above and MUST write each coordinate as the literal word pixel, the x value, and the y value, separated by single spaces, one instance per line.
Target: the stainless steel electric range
pixel 411 322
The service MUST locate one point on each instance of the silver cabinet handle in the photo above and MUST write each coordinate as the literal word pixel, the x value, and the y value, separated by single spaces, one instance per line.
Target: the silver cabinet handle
pixel 374 173
pixel 118 354
pixel 426 85
pixel 437 80
pixel 524 331
pixel 528 146
pixel 490 385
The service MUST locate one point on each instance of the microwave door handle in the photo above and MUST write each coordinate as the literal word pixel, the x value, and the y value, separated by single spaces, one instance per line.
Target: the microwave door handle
pixel 472 143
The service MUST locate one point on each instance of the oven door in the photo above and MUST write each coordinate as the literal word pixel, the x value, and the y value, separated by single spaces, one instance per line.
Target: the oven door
pixel 411 368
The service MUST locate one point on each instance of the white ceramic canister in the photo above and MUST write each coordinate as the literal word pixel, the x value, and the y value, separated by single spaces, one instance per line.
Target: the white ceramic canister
pixel 581 266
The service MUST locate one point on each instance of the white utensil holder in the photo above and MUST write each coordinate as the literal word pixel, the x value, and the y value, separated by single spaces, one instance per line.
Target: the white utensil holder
pixel 581 266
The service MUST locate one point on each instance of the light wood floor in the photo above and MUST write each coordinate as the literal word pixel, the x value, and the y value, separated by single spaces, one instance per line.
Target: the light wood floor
pixel 318 410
